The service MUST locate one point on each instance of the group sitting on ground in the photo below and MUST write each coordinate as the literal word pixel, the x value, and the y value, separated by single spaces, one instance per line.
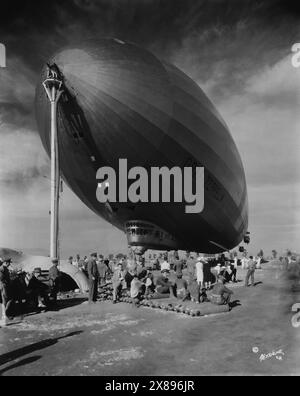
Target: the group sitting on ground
pixel 140 283
pixel 202 281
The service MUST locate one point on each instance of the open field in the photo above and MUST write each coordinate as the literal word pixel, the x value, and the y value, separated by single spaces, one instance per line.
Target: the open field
pixel 107 339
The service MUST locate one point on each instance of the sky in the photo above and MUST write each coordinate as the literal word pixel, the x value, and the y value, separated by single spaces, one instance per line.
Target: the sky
pixel 239 52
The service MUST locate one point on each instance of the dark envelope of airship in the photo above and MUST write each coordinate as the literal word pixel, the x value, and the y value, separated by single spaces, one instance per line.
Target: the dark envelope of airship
pixel 122 102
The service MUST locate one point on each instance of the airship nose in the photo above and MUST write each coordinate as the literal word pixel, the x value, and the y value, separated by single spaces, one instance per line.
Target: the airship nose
pixel 117 83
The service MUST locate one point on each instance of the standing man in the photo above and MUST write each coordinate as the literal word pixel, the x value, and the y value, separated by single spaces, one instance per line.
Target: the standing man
pixel 102 271
pixel 250 272
pixel 191 266
pixel 233 268
pixel 117 281
pixel 178 264
pixel 165 265
pixel 54 278
pixel 244 262
pixel 80 263
pixel 76 261
pixel 5 289
pixel 199 271
pixel 93 278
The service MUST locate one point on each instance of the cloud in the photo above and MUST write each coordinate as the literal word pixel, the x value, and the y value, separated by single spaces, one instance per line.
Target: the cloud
pixel 266 133
pixel 274 217
pixel 239 55
pixel 22 157
pixel 263 117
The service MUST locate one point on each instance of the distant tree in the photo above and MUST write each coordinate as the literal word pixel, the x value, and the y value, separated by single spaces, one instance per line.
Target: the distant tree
pixel 120 256
pixel 260 253
pixel 288 252
pixel 274 254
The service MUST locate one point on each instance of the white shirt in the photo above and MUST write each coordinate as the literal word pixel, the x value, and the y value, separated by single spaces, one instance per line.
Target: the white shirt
pixel 199 271
pixel 244 262
pixel 165 266
pixel 235 262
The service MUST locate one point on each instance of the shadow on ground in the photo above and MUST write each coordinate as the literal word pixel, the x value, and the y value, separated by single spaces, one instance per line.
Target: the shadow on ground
pixel 233 304
pixel 37 346
pixel 20 312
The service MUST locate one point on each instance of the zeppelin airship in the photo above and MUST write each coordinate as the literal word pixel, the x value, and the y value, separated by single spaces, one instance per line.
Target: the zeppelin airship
pixel 121 102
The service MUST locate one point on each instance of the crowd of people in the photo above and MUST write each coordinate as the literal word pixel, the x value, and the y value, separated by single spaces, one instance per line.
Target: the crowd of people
pixel 21 291
pixel 195 277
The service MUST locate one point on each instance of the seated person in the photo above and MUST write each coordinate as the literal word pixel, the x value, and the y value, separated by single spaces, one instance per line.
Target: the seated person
pixel 137 288
pixel 18 287
pixel 203 295
pixel 220 294
pixel 129 274
pixel 215 271
pixel 228 272
pixel 149 283
pixel 163 285
pixel 37 290
pixel 181 287
pixel 142 274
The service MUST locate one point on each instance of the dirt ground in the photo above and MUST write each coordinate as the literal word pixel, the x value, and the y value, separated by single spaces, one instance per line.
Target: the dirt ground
pixel 255 338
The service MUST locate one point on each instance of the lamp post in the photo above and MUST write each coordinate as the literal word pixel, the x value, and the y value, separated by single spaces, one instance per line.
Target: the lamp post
pixel 53 87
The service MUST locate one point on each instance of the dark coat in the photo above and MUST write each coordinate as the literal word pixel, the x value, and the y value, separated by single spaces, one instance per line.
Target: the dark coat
pixel 92 268
pixel 4 275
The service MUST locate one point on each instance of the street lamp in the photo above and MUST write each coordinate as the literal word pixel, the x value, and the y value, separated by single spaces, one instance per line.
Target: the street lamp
pixel 54 87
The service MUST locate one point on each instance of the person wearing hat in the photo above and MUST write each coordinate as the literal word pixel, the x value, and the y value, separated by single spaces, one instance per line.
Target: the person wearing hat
pixel 54 280
pixel 178 264
pixel 102 270
pixel 220 294
pixel 181 287
pixel 137 289
pixel 37 289
pixel 163 284
pixel 93 275
pixel 118 280
pixel 5 290
pixel 191 266
pixel 199 270
pixel 250 272
pixel 165 265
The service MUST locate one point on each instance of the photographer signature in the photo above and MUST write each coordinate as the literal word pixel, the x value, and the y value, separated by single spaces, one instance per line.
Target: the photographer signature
pixel 265 356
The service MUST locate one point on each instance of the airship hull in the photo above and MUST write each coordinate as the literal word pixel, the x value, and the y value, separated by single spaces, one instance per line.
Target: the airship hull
pixel 120 101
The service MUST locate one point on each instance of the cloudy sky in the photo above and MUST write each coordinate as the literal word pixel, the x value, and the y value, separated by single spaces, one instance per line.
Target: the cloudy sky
pixel 239 52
